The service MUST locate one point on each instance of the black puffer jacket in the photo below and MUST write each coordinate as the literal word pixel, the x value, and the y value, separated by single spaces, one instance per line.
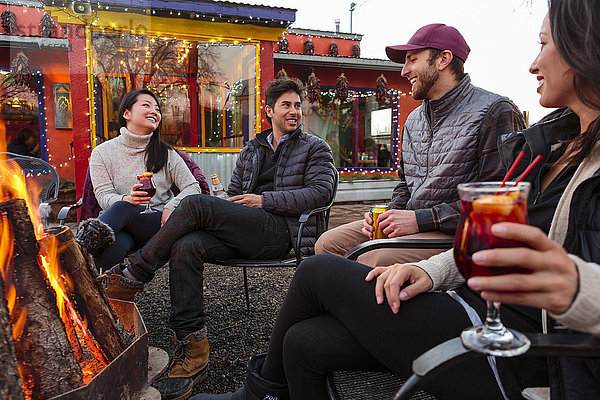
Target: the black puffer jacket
pixel 304 177
pixel 570 378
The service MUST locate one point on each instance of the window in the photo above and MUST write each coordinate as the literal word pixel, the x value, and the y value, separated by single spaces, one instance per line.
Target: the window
pixel 360 131
pixel 207 90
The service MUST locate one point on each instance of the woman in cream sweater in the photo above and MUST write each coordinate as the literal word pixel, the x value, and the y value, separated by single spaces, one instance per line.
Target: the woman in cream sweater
pixel 114 166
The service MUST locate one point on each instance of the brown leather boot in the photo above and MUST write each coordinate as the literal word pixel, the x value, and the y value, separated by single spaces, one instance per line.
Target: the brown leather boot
pixel 188 367
pixel 118 286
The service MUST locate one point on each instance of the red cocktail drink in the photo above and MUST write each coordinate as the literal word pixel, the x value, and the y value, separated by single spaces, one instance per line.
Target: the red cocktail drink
pixel 474 230
pixel 147 186
pixel 146 180
pixel 483 205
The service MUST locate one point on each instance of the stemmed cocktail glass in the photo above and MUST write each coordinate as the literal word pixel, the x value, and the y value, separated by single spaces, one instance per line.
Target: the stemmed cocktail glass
pixel 147 186
pixel 483 205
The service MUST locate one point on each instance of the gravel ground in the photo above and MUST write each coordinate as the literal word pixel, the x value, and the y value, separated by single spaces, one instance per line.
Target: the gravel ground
pixel 233 333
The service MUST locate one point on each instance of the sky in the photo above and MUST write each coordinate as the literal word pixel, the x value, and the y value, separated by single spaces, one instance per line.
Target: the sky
pixel 502 34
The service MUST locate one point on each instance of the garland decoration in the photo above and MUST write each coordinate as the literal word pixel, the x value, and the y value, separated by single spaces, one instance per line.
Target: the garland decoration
pixel 309 47
pixel 9 22
pixel 381 90
pixel 47 25
pixel 356 51
pixel 313 88
pixel 341 88
pixel 281 74
pixel 284 45
pixel 333 49
pixel 21 69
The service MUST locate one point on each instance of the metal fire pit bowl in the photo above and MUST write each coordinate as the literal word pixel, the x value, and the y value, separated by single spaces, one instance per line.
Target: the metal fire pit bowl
pixel 126 377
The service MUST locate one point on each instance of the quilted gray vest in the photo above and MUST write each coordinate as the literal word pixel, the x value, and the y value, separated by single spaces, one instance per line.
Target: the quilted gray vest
pixel 441 152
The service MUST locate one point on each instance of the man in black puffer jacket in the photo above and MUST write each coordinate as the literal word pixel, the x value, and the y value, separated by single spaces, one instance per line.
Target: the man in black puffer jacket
pixel 278 175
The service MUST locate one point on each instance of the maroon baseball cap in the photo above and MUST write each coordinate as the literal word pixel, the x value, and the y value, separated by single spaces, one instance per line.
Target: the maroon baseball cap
pixel 437 36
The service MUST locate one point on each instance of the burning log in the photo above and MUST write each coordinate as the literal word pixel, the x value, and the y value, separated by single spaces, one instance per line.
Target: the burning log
pixel 10 381
pixel 46 358
pixel 91 300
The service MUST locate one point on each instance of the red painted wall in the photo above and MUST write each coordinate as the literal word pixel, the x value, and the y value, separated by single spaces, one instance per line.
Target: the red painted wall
pixel 79 99
pixel 28 21
pixel 54 64
pixel 363 79
pixel 296 44
pixel 267 74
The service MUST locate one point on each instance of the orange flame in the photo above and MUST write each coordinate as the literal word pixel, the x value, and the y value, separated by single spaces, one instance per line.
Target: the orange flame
pixel 13 184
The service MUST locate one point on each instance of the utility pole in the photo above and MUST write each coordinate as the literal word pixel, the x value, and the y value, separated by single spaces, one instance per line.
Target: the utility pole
pixel 352 6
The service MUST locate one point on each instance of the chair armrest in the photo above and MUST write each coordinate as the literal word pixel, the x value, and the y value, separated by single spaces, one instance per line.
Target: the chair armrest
pixel 303 219
pixel 62 214
pixel 398 243
pixel 564 344
pixel 309 213
pixel 451 352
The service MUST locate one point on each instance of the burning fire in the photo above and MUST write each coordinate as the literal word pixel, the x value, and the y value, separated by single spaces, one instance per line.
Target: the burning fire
pixel 87 352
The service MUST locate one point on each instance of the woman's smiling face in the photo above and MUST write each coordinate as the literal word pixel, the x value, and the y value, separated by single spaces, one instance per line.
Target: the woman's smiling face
pixel 555 78
pixel 144 116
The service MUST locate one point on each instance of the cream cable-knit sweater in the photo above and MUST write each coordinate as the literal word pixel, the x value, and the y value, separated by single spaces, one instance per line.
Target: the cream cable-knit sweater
pixel 115 164
pixel 584 313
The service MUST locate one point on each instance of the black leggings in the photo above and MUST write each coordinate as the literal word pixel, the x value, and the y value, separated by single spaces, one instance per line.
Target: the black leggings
pixel 132 231
pixel 330 320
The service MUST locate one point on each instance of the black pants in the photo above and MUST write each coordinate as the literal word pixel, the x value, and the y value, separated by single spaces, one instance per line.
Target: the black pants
pixel 132 231
pixel 203 229
pixel 330 320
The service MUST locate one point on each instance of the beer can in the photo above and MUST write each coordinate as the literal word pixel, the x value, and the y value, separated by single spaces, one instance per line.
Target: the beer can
pixel 376 210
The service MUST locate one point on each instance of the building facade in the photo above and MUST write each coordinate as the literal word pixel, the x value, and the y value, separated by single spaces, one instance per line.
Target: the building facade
pixel 65 66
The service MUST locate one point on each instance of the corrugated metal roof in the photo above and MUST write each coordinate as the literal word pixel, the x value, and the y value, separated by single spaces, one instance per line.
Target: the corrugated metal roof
pixel 216 8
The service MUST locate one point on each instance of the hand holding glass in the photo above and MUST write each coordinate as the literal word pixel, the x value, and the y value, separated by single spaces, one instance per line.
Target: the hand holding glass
pixel 483 205
pixel 147 186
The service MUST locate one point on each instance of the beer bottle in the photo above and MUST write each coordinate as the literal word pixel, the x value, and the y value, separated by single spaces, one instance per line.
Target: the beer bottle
pixel 217 187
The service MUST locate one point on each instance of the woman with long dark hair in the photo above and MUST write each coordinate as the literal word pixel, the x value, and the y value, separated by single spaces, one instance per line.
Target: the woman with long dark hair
pixel 335 317
pixel 114 167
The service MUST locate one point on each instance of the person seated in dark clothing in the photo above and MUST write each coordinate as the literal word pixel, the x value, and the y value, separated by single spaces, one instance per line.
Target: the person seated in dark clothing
pixel 278 175
pixel 26 143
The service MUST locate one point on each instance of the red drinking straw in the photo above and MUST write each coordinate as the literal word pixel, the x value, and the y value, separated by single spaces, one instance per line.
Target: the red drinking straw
pixel 528 169
pixel 512 168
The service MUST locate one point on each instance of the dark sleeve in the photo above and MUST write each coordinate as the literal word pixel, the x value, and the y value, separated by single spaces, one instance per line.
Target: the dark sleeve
pixel 502 117
pixel 401 194
pixel 317 189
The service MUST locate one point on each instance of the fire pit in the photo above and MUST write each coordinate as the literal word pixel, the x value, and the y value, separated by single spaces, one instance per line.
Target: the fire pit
pixel 126 377
pixel 60 336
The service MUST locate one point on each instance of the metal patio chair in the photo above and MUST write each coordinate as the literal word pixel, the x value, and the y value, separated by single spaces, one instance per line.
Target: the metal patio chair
pixel 39 174
pixel 298 256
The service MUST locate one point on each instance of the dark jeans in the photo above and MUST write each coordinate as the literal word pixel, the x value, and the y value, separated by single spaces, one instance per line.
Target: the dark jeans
pixel 203 229
pixel 132 231
pixel 330 320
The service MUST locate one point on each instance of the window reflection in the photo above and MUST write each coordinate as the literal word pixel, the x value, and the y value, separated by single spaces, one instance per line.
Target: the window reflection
pixel 359 130
pixel 207 90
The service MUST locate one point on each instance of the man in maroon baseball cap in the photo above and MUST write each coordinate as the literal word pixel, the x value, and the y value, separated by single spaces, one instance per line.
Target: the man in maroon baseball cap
pixel 449 139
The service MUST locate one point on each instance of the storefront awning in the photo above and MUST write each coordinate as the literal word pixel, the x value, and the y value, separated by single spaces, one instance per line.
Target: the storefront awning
pixel 33 42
